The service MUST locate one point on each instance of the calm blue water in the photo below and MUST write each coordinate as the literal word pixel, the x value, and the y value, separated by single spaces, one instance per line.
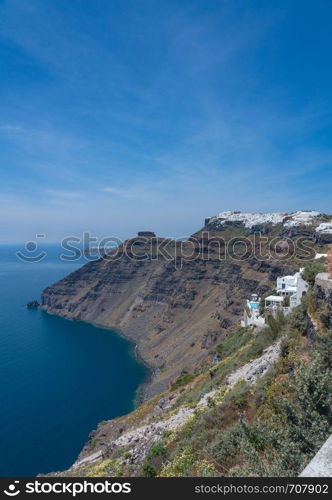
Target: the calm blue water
pixel 58 378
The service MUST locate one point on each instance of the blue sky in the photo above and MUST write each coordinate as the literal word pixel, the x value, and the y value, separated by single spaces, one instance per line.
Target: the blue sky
pixel 121 115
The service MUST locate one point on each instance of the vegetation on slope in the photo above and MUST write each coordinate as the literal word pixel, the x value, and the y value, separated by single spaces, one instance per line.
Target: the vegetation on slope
pixel 270 428
pixel 312 269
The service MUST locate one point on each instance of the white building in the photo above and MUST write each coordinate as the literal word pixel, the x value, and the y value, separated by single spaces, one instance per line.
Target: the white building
pixel 275 304
pixel 292 286
pixel 274 301
pixel 286 285
pixel 251 315
pixel 320 255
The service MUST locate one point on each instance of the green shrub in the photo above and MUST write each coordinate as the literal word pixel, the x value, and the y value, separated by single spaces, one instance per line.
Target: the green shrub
pixel 234 341
pixel 311 302
pixel 286 301
pixel 237 398
pixel 282 441
pixel 158 450
pixel 149 470
pixel 154 460
pixel 182 380
pixel 181 466
pixel 324 348
pixel 312 269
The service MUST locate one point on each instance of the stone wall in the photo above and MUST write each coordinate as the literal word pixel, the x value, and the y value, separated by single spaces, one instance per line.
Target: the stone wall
pixel 321 464
pixel 324 292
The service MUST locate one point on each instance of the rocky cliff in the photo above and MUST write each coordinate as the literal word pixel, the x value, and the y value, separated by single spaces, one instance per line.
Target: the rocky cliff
pixel 174 315
pixel 175 300
pixel 181 302
pixel 263 409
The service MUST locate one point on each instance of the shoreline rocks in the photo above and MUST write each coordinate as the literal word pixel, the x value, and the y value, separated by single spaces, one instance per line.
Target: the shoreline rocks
pixel 34 304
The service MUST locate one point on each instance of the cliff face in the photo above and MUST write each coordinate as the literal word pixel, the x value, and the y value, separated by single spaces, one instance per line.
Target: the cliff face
pixel 175 312
pixel 181 307
pixel 209 424
pixel 174 315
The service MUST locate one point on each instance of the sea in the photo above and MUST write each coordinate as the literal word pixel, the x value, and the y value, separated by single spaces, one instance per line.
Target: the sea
pixel 58 378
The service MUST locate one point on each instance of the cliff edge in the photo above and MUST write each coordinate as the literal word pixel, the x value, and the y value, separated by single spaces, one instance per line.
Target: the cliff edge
pixel 177 300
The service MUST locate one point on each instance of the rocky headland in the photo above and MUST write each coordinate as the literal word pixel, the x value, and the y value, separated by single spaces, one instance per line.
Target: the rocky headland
pixel 179 303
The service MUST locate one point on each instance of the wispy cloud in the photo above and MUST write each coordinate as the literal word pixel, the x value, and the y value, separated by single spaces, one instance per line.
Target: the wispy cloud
pixel 64 194
pixel 11 128
pixel 146 193
pixel 164 114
